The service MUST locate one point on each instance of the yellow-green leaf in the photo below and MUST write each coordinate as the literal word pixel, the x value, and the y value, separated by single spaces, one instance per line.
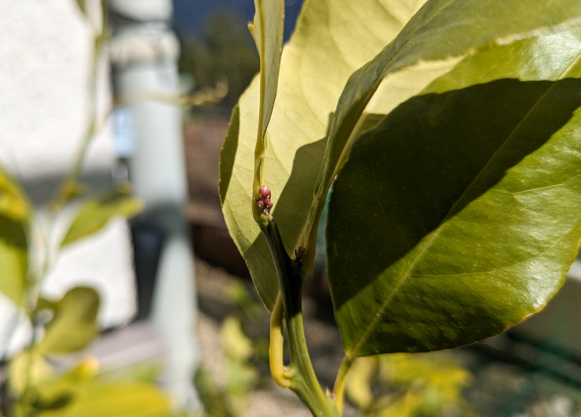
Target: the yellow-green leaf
pixel 132 399
pixel 29 366
pixel 15 214
pixel 328 45
pixel 95 214
pixel 58 391
pixel 74 325
pixel 267 31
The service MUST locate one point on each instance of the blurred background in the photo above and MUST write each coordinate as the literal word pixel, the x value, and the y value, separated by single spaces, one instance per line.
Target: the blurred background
pixel 176 294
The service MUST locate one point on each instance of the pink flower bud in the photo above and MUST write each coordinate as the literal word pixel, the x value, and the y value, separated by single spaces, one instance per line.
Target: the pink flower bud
pixel 299 252
pixel 260 203
pixel 269 205
pixel 264 191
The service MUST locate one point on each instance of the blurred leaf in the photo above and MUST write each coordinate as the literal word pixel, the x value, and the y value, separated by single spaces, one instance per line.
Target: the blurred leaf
pixel 239 295
pixel 216 402
pixel 31 365
pixel 74 324
pixel 439 371
pixel 242 377
pixel 57 392
pixel 359 380
pixel 328 45
pixel 15 214
pixel 131 399
pixel 477 204
pixel 405 406
pixel 14 204
pixel 236 344
pixel 95 214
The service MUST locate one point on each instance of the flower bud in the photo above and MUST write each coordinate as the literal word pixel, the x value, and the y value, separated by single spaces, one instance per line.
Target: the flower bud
pixel 260 203
pixel 269 204
pixel 299 252
pixel 266 211
pixel 264 191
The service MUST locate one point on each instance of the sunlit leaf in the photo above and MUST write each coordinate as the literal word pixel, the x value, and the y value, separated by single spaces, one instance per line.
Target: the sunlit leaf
pixel 95 214
pixel 74 324
pixel 328 45
pixel 267 31
pixel 459 214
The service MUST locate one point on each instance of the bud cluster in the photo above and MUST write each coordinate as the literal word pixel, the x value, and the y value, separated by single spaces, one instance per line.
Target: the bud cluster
pixel 264 202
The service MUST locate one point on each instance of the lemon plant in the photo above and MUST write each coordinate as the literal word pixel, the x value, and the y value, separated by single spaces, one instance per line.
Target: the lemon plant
pixel 448 131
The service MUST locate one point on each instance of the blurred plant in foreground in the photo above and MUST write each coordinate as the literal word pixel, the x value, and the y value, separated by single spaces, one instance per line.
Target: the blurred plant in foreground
pixel 425 385
pixel 50 378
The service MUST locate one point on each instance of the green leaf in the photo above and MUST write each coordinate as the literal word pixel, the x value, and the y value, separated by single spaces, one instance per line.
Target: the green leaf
pixel 57 391
pixel 132 399
pixel 15 214
pixel 327 46
pixel 28 364
pixel 95 214
pixel 74 325
pixel 267 32
pixel 459 214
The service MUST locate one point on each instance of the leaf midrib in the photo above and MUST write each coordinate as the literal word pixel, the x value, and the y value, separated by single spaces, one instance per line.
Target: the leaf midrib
pixel 407 273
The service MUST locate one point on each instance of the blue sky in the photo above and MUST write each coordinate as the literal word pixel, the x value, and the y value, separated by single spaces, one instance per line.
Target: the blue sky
pixel 189 15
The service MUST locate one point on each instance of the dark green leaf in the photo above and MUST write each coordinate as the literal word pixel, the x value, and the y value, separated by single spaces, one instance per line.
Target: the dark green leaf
pixel 460 213
pixel 95 214
pixel 74 325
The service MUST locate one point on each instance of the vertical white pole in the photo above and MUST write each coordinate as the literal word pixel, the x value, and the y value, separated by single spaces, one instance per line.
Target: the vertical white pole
pixel 144 54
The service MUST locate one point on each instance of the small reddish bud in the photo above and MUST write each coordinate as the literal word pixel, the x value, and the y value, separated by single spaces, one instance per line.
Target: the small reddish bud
pixel 266 211
pixel 299 253
pixel 260 203
pixel 264 191
pixel 269 204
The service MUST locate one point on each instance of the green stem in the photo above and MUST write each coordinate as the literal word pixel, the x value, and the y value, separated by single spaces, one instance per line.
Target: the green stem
pixel 339 387
pixel 302 376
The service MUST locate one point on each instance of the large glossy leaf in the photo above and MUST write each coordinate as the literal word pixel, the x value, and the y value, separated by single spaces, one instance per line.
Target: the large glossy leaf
pixel 15 215
pixel 95 214
pixel 331 41
pixel 328 45
pixel 74 324
pixel 459 214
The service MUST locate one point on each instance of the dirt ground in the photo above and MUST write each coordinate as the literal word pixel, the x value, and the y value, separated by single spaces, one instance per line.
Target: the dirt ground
pixel 499 388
